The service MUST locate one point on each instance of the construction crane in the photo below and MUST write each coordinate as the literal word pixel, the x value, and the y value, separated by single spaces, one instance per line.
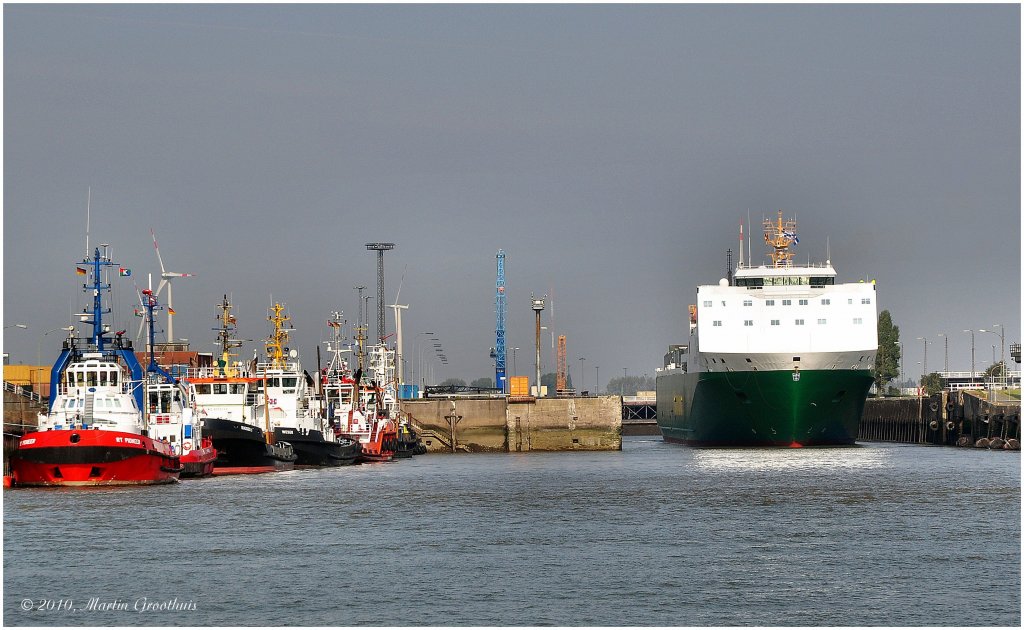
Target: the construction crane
pixel 499 304
pixel 560 376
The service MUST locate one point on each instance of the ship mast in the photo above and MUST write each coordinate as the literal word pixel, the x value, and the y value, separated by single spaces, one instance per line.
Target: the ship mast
pixel 225 339
pixel 275 344
pixel 780 235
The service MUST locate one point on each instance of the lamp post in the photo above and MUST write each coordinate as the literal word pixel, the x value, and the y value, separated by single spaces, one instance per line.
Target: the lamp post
pixel 597 388
pixel 903 376
pixel 972 352
pixel 537 304
pixel 945 338
pixel 418 355
pixel 582 359
pixel 924 366
pixel 39 346
pixel 514 361
pixel 1002 355
pixel 623 384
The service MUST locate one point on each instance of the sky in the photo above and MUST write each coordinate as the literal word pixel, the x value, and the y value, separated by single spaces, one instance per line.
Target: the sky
pixel 611 151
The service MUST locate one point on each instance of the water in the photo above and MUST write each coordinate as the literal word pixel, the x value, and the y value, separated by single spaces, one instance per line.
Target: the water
pixel 656 534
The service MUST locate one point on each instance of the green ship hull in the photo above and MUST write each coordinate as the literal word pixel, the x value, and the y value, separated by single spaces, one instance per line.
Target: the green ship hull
pixel 762 408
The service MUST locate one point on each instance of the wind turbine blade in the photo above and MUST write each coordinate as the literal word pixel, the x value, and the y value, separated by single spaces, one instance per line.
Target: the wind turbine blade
pixel 157 248
pixel 397 295
pixel 160 287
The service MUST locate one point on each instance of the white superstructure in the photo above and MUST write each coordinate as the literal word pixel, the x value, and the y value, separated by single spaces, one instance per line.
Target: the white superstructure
pixel 782 317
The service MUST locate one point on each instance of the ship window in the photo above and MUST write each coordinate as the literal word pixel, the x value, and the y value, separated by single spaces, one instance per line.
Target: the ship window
pixel 822 280
pixel 117 403
pixel 775 322
pixel 826 301
pixel 821 321
pixel 290 381
pixel 849 301
pixel 748 302
pixel 865 300
pixel 858 320
pixel 748 360
pixel 787 302
pixel 90 379
pixel 237 388
pixel 717 322
pixel 113 378
pixel 103 378
pixel 796 358
pixel 220 388
pixel 72 403
pixel 769 302
pixel 707 303
pixel 799 322
pixel 203 388
pixel 803 302
pixel 748 322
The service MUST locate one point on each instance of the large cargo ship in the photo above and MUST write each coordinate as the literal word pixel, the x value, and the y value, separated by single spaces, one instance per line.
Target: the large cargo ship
pixel 778 355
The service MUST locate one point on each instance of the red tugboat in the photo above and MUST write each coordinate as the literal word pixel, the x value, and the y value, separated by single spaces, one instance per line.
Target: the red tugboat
pixel 168 412
pixel 94 432
pixel 356 410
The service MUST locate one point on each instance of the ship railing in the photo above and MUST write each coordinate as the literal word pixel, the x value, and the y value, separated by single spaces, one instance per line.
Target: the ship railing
pixel 19 390
pixel 262 368
pixel 216 372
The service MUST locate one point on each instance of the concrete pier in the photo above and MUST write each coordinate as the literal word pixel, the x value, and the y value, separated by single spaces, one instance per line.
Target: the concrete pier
pixel 480 424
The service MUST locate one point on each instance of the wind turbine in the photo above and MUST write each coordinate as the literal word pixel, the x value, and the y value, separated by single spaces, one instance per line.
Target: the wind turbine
pixel 165 280
pixel 400 378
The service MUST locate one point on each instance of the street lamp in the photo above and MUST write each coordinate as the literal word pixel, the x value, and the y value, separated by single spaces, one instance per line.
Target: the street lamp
pixel 39 346
pixel 537 304
pixel 1002 355
pixel 582 359
pixel 925 365
pixel 597 388
pixel 972 353
pixel 946 365
pixel 514 361
pixel 419 354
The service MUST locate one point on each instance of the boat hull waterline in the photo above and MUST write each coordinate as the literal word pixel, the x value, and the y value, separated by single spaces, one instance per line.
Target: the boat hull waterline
pixel 769 408
pixel 87 457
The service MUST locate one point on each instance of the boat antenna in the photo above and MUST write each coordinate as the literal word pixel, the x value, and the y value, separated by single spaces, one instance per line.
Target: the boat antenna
pixel 828 252
pixel 88 208
pixel 750 260
pixel 741 243
pixel 728 265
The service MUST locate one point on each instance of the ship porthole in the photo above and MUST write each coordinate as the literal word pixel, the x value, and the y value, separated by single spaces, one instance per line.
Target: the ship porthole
pixel 75 438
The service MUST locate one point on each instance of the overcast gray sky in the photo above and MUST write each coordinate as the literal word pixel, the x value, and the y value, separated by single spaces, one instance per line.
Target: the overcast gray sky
pixel 611 151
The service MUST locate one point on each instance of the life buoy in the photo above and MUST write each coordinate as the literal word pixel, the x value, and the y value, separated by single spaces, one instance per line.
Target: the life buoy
pixel 950 426
pixel 186 446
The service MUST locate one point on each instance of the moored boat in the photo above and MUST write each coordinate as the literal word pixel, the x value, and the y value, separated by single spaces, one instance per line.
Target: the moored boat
pixel 168 412
pixel 226 398
pixel 355 408
pixel 778 355
pixel 290 407
pixel 94 431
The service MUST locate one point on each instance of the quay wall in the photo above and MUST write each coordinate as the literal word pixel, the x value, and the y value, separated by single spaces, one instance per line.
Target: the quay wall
pixel 501 425
pixel 948 418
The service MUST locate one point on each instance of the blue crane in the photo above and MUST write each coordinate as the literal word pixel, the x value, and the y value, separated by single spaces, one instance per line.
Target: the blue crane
pixel 499 302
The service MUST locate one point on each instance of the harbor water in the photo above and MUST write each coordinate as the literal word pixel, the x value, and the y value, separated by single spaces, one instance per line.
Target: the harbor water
pixel 656 534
